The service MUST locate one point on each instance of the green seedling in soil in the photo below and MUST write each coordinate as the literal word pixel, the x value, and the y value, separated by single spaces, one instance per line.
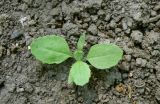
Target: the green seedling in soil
pixel 54 49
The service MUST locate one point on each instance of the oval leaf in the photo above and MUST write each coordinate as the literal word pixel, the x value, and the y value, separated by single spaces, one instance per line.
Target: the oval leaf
pixel 104 56
pixel 79 73
pixel 50 49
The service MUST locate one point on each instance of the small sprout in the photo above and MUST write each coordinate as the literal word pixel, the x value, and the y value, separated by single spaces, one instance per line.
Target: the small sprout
pixel 54 49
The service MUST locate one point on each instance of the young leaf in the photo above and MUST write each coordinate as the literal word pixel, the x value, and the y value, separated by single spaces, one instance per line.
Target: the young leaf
pixel 50 49
pixel 81 42
pixel 104 56
pixel 78 55
pixel 79 73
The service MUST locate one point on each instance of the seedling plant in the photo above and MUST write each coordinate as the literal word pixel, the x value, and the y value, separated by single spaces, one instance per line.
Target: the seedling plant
pixel 53 49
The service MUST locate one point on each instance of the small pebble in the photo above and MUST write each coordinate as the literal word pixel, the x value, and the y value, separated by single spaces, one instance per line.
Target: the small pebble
pixel 137 36
pixel 20 89
pixel 141 62
pixel 16 34
pixel 139 83
pixel 124 66
pixel 93 29
pixel 107 18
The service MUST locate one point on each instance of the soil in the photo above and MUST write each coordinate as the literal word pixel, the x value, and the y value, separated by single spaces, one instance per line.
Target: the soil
pixel 134 25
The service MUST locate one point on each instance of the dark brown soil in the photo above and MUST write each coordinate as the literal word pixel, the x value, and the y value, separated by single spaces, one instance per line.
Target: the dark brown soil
pixel 134 25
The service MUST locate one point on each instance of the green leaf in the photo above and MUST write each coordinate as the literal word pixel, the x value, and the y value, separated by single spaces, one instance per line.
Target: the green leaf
pixel 50 49
pixel 78 55
pixel 81 42
pixel 79 73
pixel 104 56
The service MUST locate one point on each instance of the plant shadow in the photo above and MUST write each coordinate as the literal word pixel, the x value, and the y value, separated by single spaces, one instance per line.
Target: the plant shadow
pixel 57 71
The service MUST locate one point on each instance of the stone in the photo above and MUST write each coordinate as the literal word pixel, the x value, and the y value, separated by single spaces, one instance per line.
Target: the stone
pixel 92 6
pixel 101 12
pixel 1 2
pixel 92 39
pixel 138 73
pixel 137 36
pixel 104 41
pixel 130 22
pixel 124 66
pixel 53 31
pixel 55 11
pixel 19 68
pixel 127 57
pixel 124 24
pixel 108 17
pixel 87 19
pixel 155 53
pixel 128 31
pixel 153 37
pixel 85 25
pixel 93 29
pixel 66 9
pixel 27 39
pixel 141 62
pixel 23 7
pixel 153 13
pixel 3 17
pixel 153 19
pixel 94 18
pixel 140 53
pixel 137 16
pixel 28 88
pixel 141 90
pixel 157 7
pixel 118 30
pixel 127 50
pixel 16 34
pixel 70 28
pixel 19 89
pixel 124 76
pixel 158 24
pixel 139 83
pixel 31 22
pixel 112 24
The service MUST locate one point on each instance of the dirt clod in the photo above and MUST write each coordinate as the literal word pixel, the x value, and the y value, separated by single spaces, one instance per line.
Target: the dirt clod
pixel 137 36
